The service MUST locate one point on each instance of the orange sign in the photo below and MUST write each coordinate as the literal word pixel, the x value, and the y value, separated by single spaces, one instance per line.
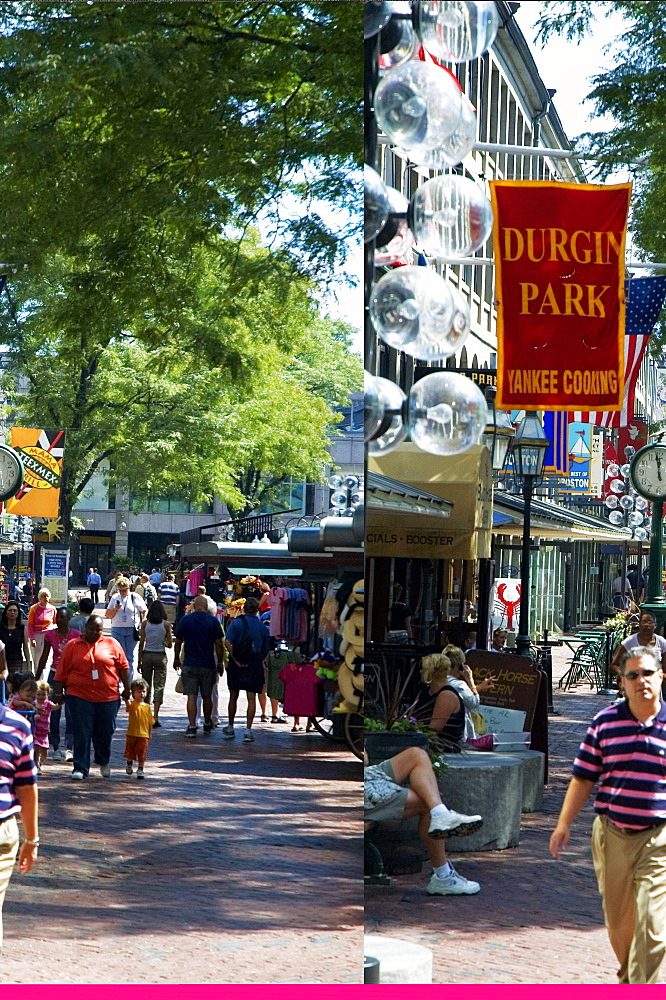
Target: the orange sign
pixel 559 270
pixel 42 453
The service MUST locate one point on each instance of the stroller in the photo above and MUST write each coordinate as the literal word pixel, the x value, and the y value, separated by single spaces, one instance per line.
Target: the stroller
pixel 27 713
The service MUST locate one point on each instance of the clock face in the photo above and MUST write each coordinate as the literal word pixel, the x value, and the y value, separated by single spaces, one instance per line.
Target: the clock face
pixel 648 472
pixel 11 473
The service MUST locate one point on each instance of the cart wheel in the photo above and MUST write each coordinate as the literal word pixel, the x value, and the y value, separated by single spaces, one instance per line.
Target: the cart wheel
pixel 324 726
pixel 354 733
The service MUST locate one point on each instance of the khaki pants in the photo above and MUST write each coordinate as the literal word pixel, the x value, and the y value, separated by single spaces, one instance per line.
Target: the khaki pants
pixel 9 841
pixel 631 873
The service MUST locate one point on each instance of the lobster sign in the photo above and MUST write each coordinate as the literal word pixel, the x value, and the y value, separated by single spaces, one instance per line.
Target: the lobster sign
pixel 507 602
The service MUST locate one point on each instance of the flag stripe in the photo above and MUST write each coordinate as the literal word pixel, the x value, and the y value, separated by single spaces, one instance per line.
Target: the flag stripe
pixel 645 298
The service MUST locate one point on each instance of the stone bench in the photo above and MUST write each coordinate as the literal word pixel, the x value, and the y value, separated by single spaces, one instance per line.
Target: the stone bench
pixel 497 786
pixel 490 784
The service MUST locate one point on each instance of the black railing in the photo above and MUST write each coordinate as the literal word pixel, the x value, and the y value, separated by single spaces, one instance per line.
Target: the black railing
pixel 245 529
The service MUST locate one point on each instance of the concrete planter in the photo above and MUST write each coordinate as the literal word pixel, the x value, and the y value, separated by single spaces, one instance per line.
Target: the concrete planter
pixel 386 743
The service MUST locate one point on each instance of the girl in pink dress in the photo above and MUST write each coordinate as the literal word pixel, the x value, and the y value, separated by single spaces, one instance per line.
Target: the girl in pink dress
pixel 43 709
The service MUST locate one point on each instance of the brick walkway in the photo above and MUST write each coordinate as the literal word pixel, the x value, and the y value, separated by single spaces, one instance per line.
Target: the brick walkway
pixel 535 920
pixel 231 863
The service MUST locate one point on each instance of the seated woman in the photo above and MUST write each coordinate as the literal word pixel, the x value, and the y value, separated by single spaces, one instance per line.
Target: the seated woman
pixel 438 705
pixel 387 800
pixel 461 680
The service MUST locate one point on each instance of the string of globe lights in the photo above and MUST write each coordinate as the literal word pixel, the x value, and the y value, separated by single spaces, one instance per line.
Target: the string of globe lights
pixel 419 106
pixel 624 506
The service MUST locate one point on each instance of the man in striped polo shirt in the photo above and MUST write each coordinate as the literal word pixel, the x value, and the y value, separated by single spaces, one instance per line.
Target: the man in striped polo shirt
pixel 18 796
pixel 168 594
pixel 624 755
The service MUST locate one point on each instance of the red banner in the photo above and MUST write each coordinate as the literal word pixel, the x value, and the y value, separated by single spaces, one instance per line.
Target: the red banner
pixel 559 280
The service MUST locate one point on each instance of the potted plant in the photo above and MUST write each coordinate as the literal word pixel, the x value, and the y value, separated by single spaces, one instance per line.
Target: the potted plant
pixel 391 682
pixel 383 744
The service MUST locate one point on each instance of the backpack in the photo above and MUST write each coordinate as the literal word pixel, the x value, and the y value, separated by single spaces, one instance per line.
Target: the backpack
pixel 242 649
pixel 149 594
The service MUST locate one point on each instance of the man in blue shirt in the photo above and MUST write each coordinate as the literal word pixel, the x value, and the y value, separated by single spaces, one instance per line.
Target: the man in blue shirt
pixel 248 677
pixel 94 582
pixel 202 635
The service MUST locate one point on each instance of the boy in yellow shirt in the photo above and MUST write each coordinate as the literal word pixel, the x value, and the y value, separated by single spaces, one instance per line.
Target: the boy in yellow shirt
pixel 139 729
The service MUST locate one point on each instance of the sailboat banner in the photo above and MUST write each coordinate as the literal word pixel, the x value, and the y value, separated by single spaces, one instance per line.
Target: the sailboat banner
pixel 580 454
pixel 559 289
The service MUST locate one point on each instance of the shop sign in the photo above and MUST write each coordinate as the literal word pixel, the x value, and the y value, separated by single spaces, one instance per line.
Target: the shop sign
pixel 559 260
pixel 41 452
pixel 481 376
pixel 55 571
pixel 580 453
pixel 516 681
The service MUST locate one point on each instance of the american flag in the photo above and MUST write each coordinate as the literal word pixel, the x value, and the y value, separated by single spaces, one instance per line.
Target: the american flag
pixel 645 298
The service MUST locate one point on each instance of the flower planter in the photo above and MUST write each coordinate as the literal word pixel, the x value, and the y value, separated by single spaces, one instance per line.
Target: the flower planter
pixel 383 744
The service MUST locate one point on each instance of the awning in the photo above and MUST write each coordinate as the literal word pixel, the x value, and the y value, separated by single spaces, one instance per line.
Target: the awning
pixel 424 506
pixel 277 557
pixel 391 495
pixel 260 571
pixel 552 521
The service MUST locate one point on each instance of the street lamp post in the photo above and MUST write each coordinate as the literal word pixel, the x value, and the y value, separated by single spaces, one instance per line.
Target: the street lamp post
pixel 528 452
pixel 497 438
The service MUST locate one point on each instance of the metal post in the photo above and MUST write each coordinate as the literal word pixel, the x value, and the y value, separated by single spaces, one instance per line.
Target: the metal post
pixel 655 600
pixel 484 611
pixel 370 971
pixel 371 57
pixel 523 637
pixel 656 547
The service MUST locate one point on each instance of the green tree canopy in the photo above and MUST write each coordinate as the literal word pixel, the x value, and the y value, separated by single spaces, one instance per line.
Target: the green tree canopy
pixel 633 92
pixel 142 144
pixel 121 119
pixel 169 418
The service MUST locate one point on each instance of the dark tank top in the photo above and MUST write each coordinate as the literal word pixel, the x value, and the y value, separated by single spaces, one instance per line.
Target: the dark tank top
pixel 450 735
pixel 13 640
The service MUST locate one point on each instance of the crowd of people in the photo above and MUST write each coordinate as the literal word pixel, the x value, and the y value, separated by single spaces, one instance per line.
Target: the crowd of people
pixel 50 660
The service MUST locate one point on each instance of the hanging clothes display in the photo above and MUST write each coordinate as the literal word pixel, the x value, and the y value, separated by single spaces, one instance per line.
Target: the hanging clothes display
pixel 290 613
pixel 276 660
pixel 303 690
pixel 296 614
pixel 276 601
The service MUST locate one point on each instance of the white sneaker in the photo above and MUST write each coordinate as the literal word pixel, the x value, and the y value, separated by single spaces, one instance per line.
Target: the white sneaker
pixel 69 756
pixel 105 770
pixel 58 755
pixel 452 884
pixel 453 822
pixel 228 732
pixel 77 775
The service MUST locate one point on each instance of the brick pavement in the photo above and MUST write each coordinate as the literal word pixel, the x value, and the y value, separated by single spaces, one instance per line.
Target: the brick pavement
pixel 535 920
pixel 230 863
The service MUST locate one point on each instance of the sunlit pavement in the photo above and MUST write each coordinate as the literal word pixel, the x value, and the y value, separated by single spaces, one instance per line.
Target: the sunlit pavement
pixel 230 863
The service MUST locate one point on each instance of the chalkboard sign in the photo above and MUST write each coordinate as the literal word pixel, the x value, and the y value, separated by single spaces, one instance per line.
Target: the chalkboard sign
pixel 516 684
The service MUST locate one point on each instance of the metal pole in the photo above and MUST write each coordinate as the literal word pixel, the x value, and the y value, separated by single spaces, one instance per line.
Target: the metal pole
pixel 655 601
pixel 370 971
pixel 371 75
pixel 656 552
pixel 523 637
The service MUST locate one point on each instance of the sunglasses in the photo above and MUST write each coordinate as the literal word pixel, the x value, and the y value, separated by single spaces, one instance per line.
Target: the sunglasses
pixel 633 675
